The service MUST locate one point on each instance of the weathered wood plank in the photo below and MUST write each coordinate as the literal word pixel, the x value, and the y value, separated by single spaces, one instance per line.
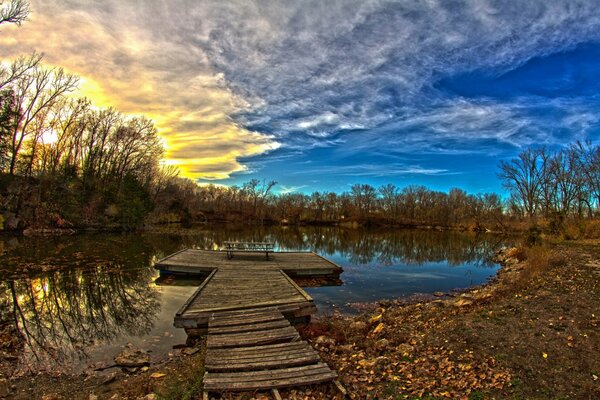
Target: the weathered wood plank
pixel 259 364
pixel 196 294
pixel 252 338
pixel 261 379
pixel 263 385
pixel 247 327
pixel 284 352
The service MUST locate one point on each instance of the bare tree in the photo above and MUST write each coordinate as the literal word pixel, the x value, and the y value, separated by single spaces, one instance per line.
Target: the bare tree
pixel 18 68
pixel 35 92
pixel 524 177
pixel 15 12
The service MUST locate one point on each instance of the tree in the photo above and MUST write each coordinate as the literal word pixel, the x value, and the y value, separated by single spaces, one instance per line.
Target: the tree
pixel 257 193
pixel 524 177
pixel 7 115
pixel 35 93
pixel 15 12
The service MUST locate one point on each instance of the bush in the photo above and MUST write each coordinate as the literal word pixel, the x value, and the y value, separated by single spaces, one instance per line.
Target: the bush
pixel 533 237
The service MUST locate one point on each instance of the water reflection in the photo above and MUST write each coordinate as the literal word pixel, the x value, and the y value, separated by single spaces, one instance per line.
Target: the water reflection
pixel 66 295
pixel 76 300
pixel 359 246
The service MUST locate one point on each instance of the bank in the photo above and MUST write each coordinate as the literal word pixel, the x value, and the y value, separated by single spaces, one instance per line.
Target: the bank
pixel 531 333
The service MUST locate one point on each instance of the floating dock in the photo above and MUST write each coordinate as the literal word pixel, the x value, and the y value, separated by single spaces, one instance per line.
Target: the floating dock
pixel 246 306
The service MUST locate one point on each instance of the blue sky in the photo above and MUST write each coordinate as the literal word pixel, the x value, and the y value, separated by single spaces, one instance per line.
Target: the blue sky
pixel 433 94
pixel 319 95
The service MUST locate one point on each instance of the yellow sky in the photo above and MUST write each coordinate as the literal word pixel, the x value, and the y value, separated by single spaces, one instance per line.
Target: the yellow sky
pixel 140 72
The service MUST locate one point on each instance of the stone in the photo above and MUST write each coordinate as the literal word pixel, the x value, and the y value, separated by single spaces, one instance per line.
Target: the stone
pixel 190 350
pixel 382 344
pixel 4 387
pixel 358 326
pixel 438 294
pixel 109 378
pixel 93 397
pixel 132 358
pixel 405 349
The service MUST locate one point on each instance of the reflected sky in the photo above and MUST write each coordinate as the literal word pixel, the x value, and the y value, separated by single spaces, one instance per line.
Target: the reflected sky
pixel 77 301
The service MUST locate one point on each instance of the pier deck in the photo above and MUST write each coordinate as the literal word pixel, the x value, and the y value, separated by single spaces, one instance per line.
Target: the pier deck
pixel 245 306
pixel 300 264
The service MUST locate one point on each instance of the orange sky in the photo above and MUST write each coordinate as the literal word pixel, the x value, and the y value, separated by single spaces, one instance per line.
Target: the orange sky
pixel 122 64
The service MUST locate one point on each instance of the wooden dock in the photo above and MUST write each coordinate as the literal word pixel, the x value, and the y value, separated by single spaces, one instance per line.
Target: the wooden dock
pixel 301 264
pixel 245 306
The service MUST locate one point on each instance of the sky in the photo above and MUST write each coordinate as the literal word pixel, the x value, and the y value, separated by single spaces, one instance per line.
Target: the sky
pixel 320 95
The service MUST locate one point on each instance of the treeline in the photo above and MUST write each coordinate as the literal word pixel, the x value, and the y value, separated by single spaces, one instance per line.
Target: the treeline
pixel 64 162
pixel 546 187
pixel 553 185
pixel 364 205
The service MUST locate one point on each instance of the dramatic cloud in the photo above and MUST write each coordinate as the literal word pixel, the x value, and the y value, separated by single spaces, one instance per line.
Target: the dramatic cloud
pixel 354 89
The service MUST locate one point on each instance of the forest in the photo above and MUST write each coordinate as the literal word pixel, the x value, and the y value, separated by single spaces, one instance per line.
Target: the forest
pixel 67 164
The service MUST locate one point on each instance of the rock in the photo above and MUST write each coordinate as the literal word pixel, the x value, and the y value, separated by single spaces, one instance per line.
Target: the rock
pixel 4 388
pixel 346 348
pixel 325 341
pixel 132 358
pixel 358 326
pixel 405 349
pixel 93 397
pixel 382 344
pixel 109 378
pixel 190 350
pixel 150 396
pixel 462 302
pixel 438 294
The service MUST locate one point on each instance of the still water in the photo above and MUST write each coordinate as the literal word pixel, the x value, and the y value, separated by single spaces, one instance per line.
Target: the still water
pixel 78 300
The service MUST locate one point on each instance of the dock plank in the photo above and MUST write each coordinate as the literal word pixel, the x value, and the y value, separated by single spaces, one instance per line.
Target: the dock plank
pixel 243 306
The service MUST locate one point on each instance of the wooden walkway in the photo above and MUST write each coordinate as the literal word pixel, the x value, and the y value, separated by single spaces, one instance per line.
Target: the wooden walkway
pixel 258 349
pixel 245 306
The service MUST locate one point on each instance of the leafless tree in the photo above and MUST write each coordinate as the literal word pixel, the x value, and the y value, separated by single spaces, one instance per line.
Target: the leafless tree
pixel 523 177
pixel 35 93
pixel 14 11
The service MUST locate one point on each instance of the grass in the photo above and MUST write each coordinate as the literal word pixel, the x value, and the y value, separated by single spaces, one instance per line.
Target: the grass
pixel 186 383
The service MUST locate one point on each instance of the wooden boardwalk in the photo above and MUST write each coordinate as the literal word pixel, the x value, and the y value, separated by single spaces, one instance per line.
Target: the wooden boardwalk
pixel 293 263
pixel 245 306
pixel 258 349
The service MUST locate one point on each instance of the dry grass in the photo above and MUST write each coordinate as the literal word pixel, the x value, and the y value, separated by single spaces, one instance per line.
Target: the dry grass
pixel 538 259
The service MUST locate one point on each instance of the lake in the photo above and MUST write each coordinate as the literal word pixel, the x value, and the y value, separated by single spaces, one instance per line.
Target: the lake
pixel 78 300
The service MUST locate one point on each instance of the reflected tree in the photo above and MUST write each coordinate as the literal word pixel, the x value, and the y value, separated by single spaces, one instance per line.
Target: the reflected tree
pixel 61 313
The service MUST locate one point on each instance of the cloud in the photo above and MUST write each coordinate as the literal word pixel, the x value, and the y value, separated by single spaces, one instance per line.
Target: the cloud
pixel 139 69
pixel 289 189
pixel 376 170
pixel 232 82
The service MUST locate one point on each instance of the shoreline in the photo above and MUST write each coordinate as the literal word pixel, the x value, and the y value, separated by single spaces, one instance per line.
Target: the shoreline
pixel 530 332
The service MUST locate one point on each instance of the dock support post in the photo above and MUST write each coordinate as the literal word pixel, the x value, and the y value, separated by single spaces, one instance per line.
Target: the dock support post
pixel 341 388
